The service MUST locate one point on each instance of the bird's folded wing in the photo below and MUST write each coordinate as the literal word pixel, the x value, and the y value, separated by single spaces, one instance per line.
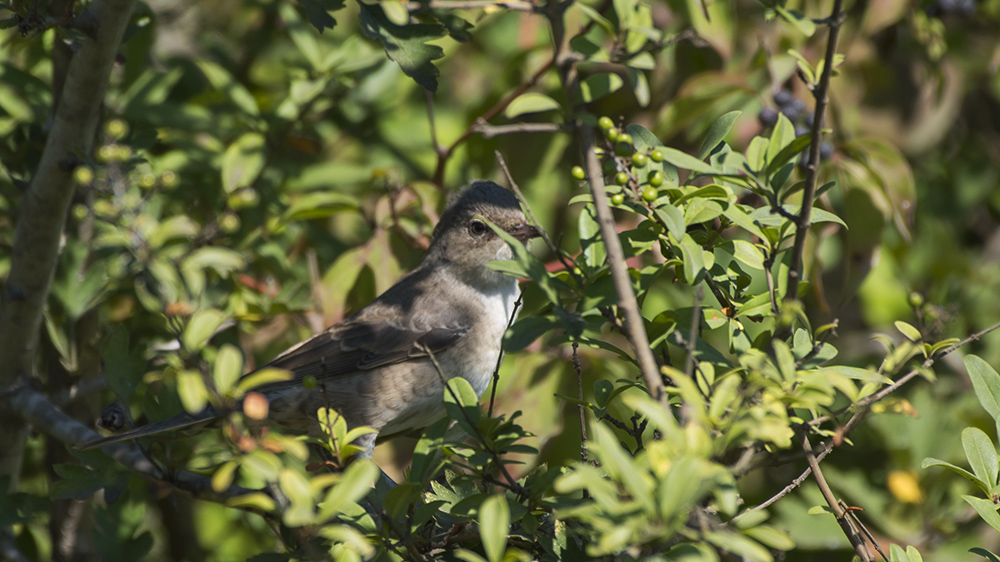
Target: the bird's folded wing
pixel 360 346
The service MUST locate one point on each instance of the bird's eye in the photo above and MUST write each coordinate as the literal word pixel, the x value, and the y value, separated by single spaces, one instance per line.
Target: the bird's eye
pixel 477 228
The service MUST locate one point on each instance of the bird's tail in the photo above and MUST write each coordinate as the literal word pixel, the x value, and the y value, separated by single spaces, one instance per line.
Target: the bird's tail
pixel 180 421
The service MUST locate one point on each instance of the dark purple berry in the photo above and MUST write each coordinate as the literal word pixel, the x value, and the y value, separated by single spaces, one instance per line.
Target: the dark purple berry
pixel 825 150
pixel 767 117
pixel 783 98
pixel 791 113
pixel 809 118
pixel 801 130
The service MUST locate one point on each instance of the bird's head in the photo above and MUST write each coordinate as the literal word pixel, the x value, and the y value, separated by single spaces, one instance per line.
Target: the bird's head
pixel 463 238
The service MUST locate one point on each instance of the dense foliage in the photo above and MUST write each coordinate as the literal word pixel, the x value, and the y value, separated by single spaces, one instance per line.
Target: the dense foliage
pixel 804 275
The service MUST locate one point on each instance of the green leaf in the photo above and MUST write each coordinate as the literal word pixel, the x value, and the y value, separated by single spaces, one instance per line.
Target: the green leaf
pixel 318 12
pixel 688 162
pixel 793 148
pixel 782 135
pixel 598 86
pixel 897 554
pixel 986 509
pixel 642 138
pixel 223 81
pixel 192 391
pixel 982 455
pixel 909 331
pixel 717 132
pixel 243 161
pixel 591 243
pixel 803 23
pixel 694 260
pixel 227 369
pixel 748 254
pixel 739 545
pixel 320 205
pixel 406 45
pixel 986 383
pixel 494 520
pixel 123 368
pixel 673 217
pixel 985 554
pixel 261 377
pixel 201 327
pixel 524 264
pixel 531 102
pixel 929 462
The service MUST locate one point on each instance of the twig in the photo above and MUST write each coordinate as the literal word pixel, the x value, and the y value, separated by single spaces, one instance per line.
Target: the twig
pixel 846 524
pixel 579 391
pixel 515 6
pixel 445 154
pixel 818 346
pixel 693 333
pixel 571 268
pixel 511 483
pixel 496 370
pixel 489 131
pixel 812 168
pixel 852 513
pixel 37 410
pixel 634 323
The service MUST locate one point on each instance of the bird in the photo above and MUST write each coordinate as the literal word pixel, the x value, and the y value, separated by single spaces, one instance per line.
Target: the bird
pixel 377 367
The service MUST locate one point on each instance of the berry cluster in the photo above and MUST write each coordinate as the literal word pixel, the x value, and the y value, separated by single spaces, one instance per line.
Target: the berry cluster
pixel 795 110
pixel 625 166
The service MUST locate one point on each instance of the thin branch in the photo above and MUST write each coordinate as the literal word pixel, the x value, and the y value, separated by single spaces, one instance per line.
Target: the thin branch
pixel 802 221
pixel 634 323
pixel 489 131
pixel 693 333
pixel 846 523
pixel 511 483
pixel 37 410
pixel 579 391
pixel 496 370
pixel 515 6
pixel 44 207
pixel 492 112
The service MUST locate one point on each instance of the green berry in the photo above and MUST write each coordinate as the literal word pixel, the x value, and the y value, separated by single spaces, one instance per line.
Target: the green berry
pixel 623 149
pixel 655 178
pixel 625 138
pixel 83 175
pixel 309 381
pixel 617 198
pixel 605 123
pixel 656 156
pixel 611 134
pixel 169 179
pixel 650 194
pixel 609 166
pixel 229 223
pixel 116 128
pixel 639 160
pixel 621 178
pixel 916 299
pixel 578 173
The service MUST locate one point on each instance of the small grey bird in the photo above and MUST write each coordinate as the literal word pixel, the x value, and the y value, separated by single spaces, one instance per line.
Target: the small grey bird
pixel 373 367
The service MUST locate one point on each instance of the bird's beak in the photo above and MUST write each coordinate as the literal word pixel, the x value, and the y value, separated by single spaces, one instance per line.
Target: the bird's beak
pixel 524 232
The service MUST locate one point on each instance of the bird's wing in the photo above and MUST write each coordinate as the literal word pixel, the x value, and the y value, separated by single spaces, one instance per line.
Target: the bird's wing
pixel 360 345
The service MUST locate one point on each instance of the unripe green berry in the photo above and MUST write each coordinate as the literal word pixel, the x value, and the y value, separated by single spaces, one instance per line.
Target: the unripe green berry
pixel 639 160
pixel 229 223
pixel 116 128
pixel 623 149
pixel 605 123
pixel 617 198
pixel 578 173
pixel 309 381
pixel 83 175
pixel 656 156
pixel 916 299
pixel 608 166
pixel 169 179
pixel 621 178
pixel 655 178
pixel 611 134
pixel 650 194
